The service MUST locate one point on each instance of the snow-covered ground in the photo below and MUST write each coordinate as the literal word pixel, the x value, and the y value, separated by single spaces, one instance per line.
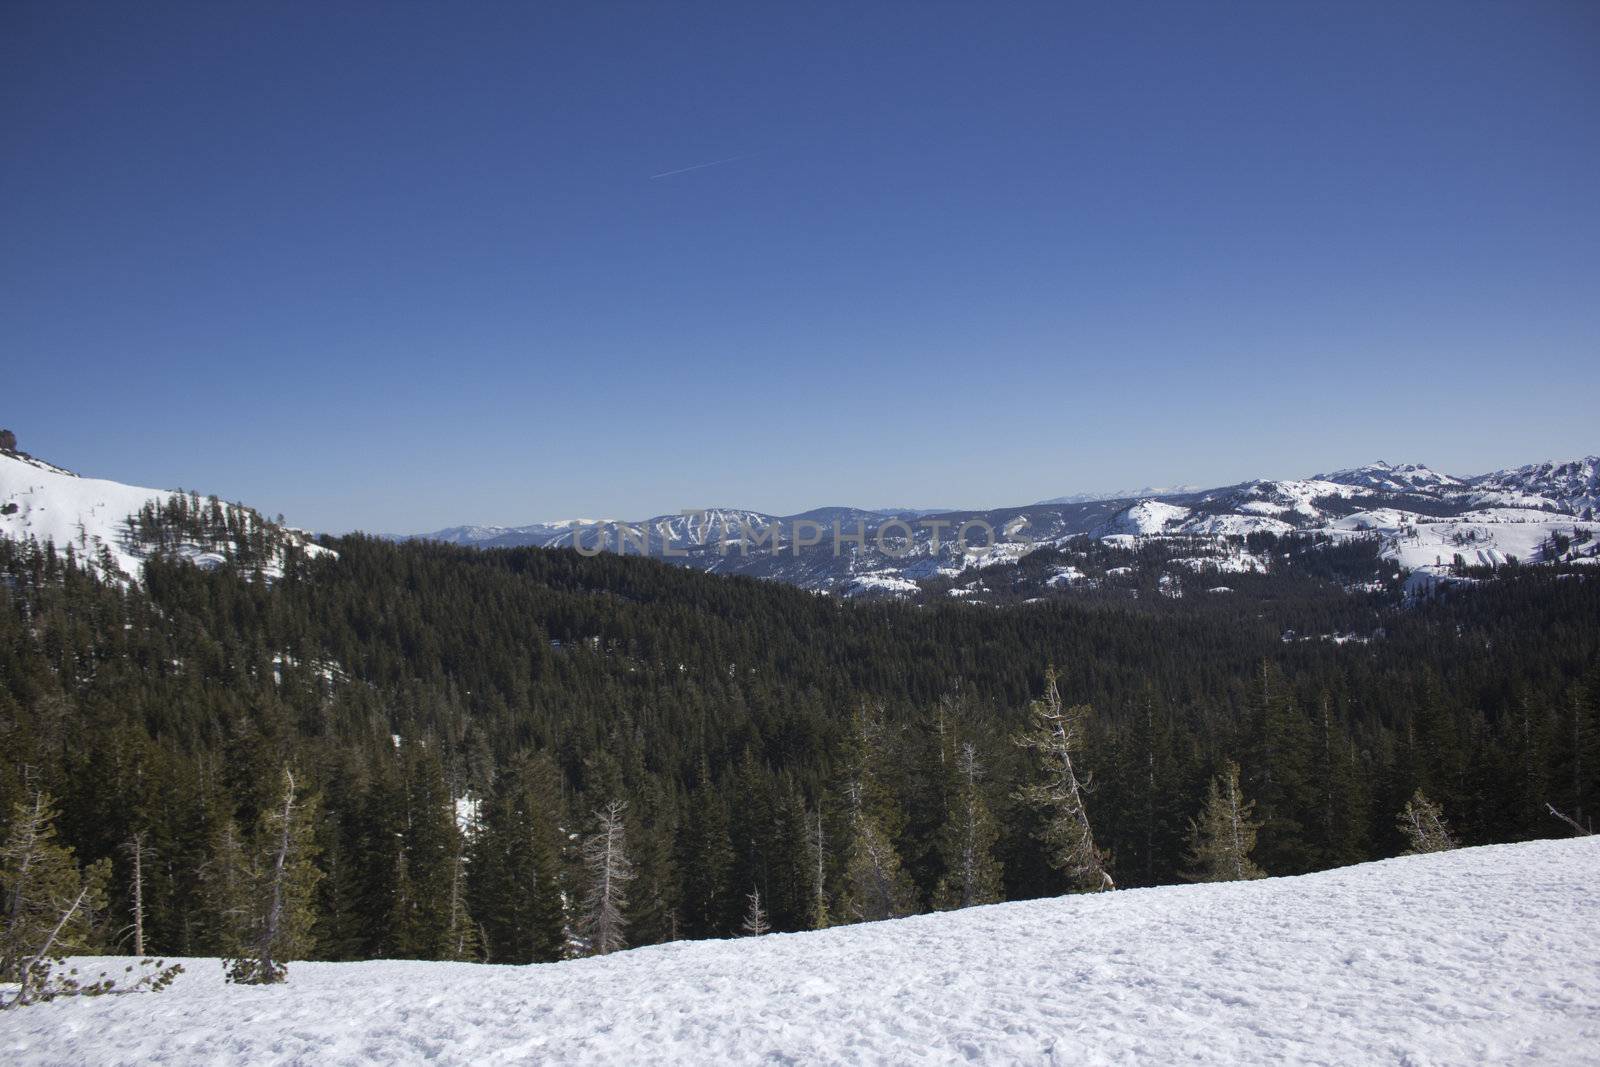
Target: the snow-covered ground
pixel 1487 955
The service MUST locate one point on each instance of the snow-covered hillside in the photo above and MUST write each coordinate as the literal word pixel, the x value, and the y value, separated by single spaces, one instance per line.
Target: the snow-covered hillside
pixel 1485 955
pixel 45 503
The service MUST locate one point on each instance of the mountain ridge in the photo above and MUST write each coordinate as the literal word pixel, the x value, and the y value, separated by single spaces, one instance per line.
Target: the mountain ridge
pixel 1428 525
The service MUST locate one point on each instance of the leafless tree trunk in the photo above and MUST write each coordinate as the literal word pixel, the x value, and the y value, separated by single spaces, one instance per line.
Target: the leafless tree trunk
pixel 137 852
pixel 1577 827
pixel 819 901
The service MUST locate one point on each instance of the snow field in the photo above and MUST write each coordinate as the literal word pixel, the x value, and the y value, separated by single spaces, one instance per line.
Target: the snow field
pixel 1485 955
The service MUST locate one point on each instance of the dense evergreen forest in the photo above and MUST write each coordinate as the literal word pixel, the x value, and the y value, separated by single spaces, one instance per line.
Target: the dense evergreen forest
pixel 524 754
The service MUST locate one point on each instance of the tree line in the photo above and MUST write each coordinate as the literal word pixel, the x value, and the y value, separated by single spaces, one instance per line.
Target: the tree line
pixel 417 751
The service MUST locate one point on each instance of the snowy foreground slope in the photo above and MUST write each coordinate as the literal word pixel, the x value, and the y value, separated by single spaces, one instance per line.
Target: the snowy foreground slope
pixel 1481 955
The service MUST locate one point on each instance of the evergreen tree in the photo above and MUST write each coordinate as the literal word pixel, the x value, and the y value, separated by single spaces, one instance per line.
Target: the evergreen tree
pixel 282 884
pixel 972 874
pixel 1338 830
pixel 462 940
pixel 876 885
pixel 1225 834
pixel 706 860
pixel 515 874
pixel 751 826
pixel 1056 734
pixel 50 902
pixel 430 843
pixel 1575 776
pixel 653 898
pixel 791 868
pixel 1278 760
pixel 1149 794
pixel 225 891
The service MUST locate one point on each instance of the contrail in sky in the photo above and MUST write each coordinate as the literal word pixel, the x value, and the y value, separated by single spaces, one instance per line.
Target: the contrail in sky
pixel 697 166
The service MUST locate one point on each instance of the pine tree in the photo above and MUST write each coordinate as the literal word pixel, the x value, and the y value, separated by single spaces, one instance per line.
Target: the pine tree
pixel 755 917
pixel 1279 754
pixel 1222 839
pixel 225 891
pixel 1343 804
pixel 706 860
pixel 652 900
pixel 426 843
pixel 461 936
pixel 1056 733
pixel 876 884
pixel 1422 823
pixel 515 875
pixel 1147 796
pixel 972 874
pixel 1576 784
pixel 516 872
pixel 49 902
pixel 282 884
pixel 605 860
pixel 790 870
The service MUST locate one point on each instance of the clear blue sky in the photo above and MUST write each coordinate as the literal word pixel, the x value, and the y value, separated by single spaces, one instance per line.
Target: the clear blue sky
pixel 396 266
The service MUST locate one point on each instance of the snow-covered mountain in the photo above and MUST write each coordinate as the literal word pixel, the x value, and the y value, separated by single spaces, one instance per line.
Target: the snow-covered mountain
pixel 1427 523
pixel 114 527
pixel 1124 494
pixel 1573 486
pixel 1406 478
pixel 1479 955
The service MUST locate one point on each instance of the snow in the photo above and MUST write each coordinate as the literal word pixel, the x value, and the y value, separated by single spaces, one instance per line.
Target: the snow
pixel 57 505
pixel 880 582
pixel 1299 495
pixel 1486 955
pixel 1147 517
pixel 1238 525
pixel 1066 575
pixel 53 504
pixel 1405 478
pixel 1224 563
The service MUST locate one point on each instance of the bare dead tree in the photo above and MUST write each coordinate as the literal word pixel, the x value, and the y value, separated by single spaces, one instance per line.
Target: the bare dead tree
pixel 137 852
pixel 1578 829
pixel 755 917
pixel 605 856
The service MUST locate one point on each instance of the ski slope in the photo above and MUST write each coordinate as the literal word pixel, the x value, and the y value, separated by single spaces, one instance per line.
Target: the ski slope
pixel 1486 955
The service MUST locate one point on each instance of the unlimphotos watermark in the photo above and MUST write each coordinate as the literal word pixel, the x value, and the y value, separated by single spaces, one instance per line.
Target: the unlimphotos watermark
pixel 894 537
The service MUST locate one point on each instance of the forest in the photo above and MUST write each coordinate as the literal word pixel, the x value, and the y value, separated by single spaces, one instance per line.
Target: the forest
pixel 423 751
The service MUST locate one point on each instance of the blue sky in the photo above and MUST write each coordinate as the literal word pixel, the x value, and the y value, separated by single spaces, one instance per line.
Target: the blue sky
pixel 400 266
